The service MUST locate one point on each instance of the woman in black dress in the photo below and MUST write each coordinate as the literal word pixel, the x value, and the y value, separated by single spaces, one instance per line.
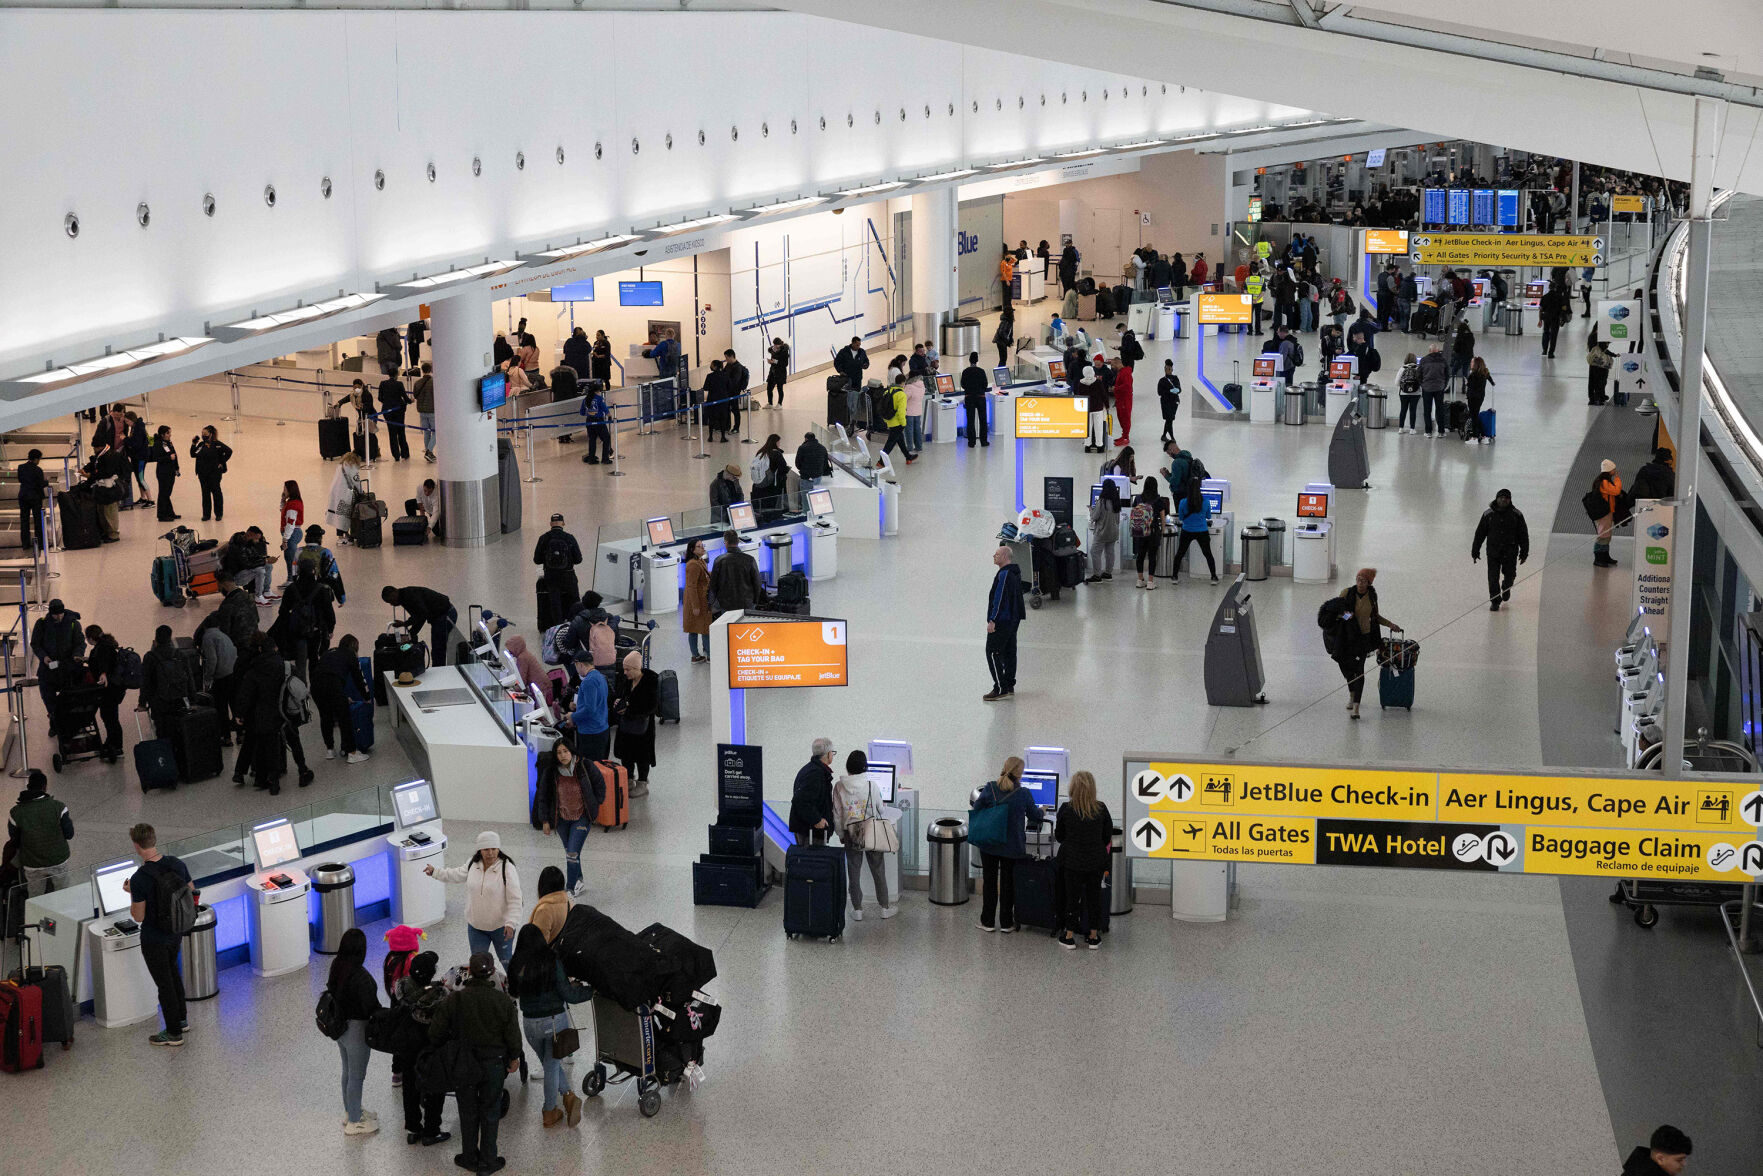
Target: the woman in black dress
pixel 633 712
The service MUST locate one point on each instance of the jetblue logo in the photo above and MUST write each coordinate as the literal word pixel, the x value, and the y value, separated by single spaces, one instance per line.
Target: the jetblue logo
pixel 966 243
pixel 1658 531
pixel 1618 312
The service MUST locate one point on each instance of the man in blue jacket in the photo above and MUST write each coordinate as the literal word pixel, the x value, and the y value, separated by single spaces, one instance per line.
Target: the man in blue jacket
pixel 592 731
pixel 1004 611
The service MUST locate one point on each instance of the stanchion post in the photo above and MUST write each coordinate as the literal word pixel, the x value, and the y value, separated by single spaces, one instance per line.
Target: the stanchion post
pixel 531 466
pixel 746 416
pixel 615 472
pixel 703 433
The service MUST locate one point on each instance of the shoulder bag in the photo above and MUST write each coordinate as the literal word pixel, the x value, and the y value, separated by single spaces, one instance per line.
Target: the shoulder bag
pixel 989 828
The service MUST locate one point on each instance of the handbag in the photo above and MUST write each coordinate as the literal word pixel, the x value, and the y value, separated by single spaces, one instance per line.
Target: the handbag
pixel 632 724
pixel 565 1042
pixel 989 828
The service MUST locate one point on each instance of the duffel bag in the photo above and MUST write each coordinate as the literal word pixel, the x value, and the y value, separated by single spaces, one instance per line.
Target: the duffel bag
pixel 597 950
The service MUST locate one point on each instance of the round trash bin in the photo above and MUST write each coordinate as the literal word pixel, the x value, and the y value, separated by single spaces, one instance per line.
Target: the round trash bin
pixel 1254 552
pixel 1377 409
pixel 782 547
pixel 1514 312
pixel 1119 874
pixel 948 861
pixel 1316 399
pixel 1276 542
pixel 1294 404
pixel 961 337
pixel 200 965
pixel 334 883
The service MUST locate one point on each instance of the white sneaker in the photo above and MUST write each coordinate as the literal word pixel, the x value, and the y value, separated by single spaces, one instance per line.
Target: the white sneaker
pixel 889 912
pixel 579 889
pixel 330 753
pixel 1469 440
pixel 356 757
pixel 857 914
pixel 365 1127
pixel 262 601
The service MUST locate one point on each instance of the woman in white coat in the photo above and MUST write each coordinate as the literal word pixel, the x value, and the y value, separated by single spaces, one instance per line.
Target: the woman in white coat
pixel 339 504
pixel 857 802
pixel 492 896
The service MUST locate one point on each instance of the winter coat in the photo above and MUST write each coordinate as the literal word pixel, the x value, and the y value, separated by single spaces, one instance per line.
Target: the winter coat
pixel 1656 479
pixel 1435 372
pixel 695 607
pixel 258 700
pixel 811 799
pixel 1504 532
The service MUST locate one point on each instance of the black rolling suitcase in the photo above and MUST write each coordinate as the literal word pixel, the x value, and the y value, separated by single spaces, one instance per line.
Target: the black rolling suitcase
pixel 838 403
pixel 195 743
pixel 667 697
pixel 156 761
pixel 1104 303
pixel 1122 299
pixel 1038 893
pixel 368 450
pixel 394 653
pixel 78 511
pixel 333 438
pixel 409 531
pixel 814 891
pixel 550 606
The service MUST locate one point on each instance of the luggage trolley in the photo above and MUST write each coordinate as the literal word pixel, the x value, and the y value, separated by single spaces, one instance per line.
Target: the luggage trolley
pixel 1644 896
pixel 625 1042
pixel 76 726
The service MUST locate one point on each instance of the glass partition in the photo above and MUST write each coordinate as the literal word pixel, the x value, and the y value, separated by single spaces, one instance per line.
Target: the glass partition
pixel 214 854
pixel 344 818
pixel 484 674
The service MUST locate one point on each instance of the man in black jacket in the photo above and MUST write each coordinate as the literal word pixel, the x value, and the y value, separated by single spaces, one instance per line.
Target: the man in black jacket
pixel 1666 1154
pixel 812 462
pixel 1004 612
pixel 211 455
pixel 1131 350
pixel 734 578
pixel 1657 479
pixel 425 606
pixel 1503 529
pixel 735 381
pixel 811 800
pixel 482 1019
pixel 258 704
pixel 58 643
pixel 974 389
pixel 394 398
pixel 578 353
pixel 851 362
pixel 559 555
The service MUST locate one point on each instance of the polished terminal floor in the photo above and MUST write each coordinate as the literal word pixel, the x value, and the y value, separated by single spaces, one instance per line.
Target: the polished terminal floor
pixel 1342 1020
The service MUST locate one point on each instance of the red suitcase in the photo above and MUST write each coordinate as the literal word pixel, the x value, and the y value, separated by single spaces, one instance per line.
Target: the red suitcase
pixel 615 811
pixel 21 1028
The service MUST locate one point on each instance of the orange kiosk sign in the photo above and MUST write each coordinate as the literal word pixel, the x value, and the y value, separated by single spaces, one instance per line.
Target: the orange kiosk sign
pixel 1386 240
pixel 1224 309
pixel 783 651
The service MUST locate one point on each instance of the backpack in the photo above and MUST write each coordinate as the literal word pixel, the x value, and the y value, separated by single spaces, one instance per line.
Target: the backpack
pixel 1141 520
pixel 548 651
pixel 760 467
pixel 176 904
pixel 1297 353
pixel 328 1016
pixel 129 673
pixel 557 556
pixel 1596 505
pixel 1372 360
pixel 174 678
pixel 296 698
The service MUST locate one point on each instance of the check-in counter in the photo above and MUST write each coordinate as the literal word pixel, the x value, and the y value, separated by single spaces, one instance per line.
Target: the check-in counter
pixel 478 765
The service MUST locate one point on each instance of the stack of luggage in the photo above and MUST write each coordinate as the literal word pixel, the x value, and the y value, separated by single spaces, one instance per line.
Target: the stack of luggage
pixel 791 596
pixel 365 517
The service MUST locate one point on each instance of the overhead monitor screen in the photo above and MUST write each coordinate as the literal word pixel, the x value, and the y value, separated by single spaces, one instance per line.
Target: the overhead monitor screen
pixel 820 502
pixel 274 844
pixel 492 391
pixel 1507 198
pixel 1313 506
pixel 1484 207
pixel 945 384
pixel 1376 158
pixel 639 293
pixel 574 292
pixel 1224 309
pixel 414 803
pixel 1433 206
pixel 1459 206
pixel 660 530
pixel 1386 240
pixel 740 516
pixel 112 898
pixel 1043 786
pixel 773 651
pixel 882 775
pixel 1058 417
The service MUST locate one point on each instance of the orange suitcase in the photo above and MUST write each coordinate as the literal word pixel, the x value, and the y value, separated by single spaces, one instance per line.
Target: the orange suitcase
pixel 615 810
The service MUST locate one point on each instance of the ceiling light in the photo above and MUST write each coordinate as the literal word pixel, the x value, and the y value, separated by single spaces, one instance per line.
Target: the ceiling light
pixel 100 365
pixel 871 189
pixel 454 277
pixel 759 210
pixel 686 226
pixel 1029 162
pixel 583 248
pixel 261 324
pixel 1141 144
pixel 939 177
pixel 1078 154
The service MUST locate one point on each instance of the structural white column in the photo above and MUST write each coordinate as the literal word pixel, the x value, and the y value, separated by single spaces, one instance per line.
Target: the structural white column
pixel 1689 429
pixel 936 278
pixel 465 435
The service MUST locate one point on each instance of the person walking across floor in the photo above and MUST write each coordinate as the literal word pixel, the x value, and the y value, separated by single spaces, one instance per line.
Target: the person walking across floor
pixel 357 999
pixel 424 397
pixel 484 1020
pixel 1145 523
pixel 39 828
pixel 998 857
pixel 537 981
pixel 1554 308
pixel 1503 530
pixel 161 899
pixel 858 804
pixel 211 455
pixel 1104 532
pixel 1004 614
pixel 492 895
pixel 634 697
pixel 1084 832
pixel 893 414
pixel 558 555
pixel 567 792
pixel 1359 604
pixel 1169 398
pixel 812 815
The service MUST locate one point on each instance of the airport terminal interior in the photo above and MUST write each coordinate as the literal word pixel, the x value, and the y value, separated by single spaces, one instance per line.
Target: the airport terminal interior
pixel 1465 922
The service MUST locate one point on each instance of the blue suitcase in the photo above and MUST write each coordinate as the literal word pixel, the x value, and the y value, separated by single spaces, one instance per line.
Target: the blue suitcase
pixel 1395 687
pixel 1487 423
pixel 361 718
pixel 167 585
pixel 814 891
pixel 156 764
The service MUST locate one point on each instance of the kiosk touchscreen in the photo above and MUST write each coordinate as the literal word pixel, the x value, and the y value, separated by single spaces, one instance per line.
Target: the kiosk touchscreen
pixel 820 503
pixel 882 776
pixel 660 531
pixel 740 516
pixel 1165 296
pixel 1043 786
pixel 1001 376
pixel 1056 369
pixel 107 884
pixel 1313 506
pixel 1266 367
pixel 945 384
pixel 1340 369
pixel 413 804
pixel 1214 500
pixel 274 844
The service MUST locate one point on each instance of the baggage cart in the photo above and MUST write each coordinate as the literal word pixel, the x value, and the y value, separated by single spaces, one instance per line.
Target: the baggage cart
pixel 76 726
pixel 1644 896
pixel 624 1046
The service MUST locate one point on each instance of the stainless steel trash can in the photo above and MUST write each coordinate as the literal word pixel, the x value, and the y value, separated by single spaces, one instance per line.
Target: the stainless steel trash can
pixel 1294 404
pixel 1316 399
pixel 782 548
pixel 960 338
pixel 1514 313
pixel 334 884
pixel 1119 875
pixel 1377 410
pixel 1254 552
pixel 200 966
pixel 948 861
pixel 1276 542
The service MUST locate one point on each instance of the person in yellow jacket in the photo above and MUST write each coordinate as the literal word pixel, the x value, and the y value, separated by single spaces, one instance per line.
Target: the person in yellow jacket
pixel 895 419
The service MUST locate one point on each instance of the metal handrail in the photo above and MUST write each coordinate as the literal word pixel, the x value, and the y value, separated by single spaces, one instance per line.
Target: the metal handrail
pixel 1739 938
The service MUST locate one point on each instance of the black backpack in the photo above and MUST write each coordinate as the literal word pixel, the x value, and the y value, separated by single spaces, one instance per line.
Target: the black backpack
pixel 328 1016
pixel 175 899
pixel 1596 505
pixel 1297 353
pixel 557 556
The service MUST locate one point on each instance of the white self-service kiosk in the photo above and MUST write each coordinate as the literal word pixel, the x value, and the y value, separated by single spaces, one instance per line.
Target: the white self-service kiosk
pixel 658 568
pixel 281 939
pixel 1221 527
pixel 823 535
pixel 1313 539
pixel 417 899
pixel 1343 383
pixel 123 992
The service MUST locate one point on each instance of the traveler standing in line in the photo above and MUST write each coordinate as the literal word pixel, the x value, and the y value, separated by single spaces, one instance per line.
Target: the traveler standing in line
pixel 578 354
pixel 1667 1153
pixel 388 350
pixel 306 620
pixel 103 666
pixel 1599 360
pixel 1435 378
pixel 39 828
pixel 135 447
pixel 998 861
pixel 528 356
pixel 418 995
pixel 856 800
pixel 602 359
pixel 916 389
pixel 851 362
pixel 770 488
pixel 975 387
pixel 259 705
pixel 715 410
pixel 1004 613
pixel 1104 532
pixel 485 1020
pixel 1462 350
pixel 1085 831
pixel 1361 602
pixel 492 895
pixel 338 670
pixel 734 578
pixel 1178 276
pixel 811 797
pixel 158 892
pixel 394 398
pixel 1090 386
pixel 108 474
pixel 633 705
pixel 1068 273
pixel 1195 514
pixel 1608 484
pixel 567 792
pixel 58 643
pixel 1407 294
pixel 552 910
pixel 1476 383
pixel 425 606
pixel 661 351
pixel 211 455
pixel 736 380
pixel 33 493
pixel 812 462
pixel 695 614
pixel 424 395
pixel 1044 251
pixel 1408 391
pixel 589 720
pixel 1657 479
pixel 1169 398
pixel 1149 510
pixel 351 986
pixel 777 371
pixel 536 979
pixel 558 554
pixel 1503 529
pixel 165 684
pixel 291 520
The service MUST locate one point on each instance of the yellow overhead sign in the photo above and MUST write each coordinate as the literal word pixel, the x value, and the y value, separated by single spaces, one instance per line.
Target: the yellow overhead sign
pixel 1628 204
pixel 1505 249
